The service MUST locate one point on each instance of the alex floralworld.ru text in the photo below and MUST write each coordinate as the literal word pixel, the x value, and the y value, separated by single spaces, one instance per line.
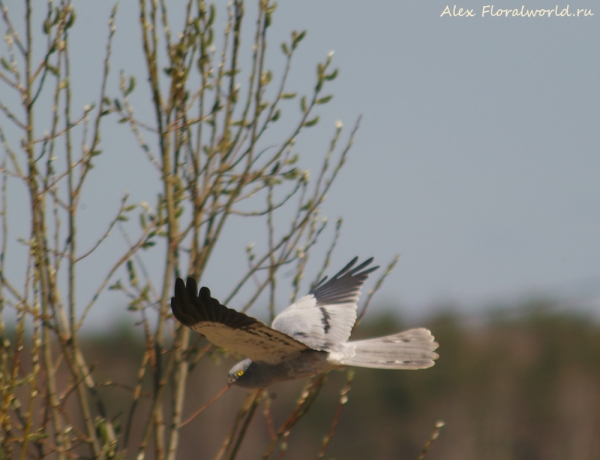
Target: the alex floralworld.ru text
pixel 492 11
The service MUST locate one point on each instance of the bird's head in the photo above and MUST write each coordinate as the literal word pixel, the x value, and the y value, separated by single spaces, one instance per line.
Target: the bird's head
pixel 238 372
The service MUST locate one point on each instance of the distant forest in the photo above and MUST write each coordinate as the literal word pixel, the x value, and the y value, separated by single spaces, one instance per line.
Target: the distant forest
pixel 520 384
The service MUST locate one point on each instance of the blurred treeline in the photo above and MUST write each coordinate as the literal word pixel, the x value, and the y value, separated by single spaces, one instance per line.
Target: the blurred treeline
pixel 520 383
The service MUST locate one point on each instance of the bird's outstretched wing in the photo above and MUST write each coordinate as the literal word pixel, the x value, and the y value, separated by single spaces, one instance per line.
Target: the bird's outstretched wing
pixel 230 329
pixel 325 317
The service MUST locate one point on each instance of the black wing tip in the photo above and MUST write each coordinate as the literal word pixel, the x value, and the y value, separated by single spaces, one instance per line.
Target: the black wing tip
pixel 182 303
pixel 204 294
pixel 359 273
pixel 365 264
pixel 190 307
pixel 359 270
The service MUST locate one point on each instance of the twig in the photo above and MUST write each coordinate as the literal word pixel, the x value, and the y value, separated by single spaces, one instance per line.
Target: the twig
pixel 307 397
pixel 246 424
pixel 208 403
pixel 436 432
pixel 267 415
pixel 338 412
pixel 378 285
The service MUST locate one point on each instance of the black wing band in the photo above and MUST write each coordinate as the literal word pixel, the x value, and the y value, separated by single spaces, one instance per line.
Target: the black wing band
pixel 344 287
pixel 231 329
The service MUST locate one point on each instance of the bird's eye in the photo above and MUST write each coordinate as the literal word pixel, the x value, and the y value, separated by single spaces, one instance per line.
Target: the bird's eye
pixel 240 373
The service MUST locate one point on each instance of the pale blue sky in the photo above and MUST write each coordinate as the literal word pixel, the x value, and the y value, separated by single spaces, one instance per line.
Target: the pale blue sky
pixel 477 159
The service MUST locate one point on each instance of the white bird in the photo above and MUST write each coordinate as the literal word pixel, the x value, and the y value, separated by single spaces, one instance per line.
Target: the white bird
pixel 309 337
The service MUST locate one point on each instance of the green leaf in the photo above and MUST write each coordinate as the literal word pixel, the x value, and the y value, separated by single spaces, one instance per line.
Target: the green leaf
pixel 319 85
pixel 312 122
pixel 102 430
pixel 24 381
pixel 147 244
pixel 230 73
pixel 288 95
pixel 212 14
pixel 324 100
pixel 266 77
pixel 53 70
pixel 267 19
pixel 36 436
pixel 303 106
pixel 275 168
pixel 291 174
pixel 307 206
pixel 144 294
pixel 134 306
pixel 116 287
pixel 71 20
pixel 332 76
pixel 131 86
pixel 297 38
pixel 285 49
pixel 320 70
pixel 5 64
pixel 132 275
pixel 47 26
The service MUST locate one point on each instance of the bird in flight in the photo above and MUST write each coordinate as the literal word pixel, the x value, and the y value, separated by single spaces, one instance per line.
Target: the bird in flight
pixel 309 337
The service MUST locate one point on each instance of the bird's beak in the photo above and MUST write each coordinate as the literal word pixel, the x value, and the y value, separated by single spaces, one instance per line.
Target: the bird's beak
pixel 230 382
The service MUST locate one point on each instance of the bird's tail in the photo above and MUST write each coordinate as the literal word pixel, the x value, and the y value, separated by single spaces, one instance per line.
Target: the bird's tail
pixel 413 349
